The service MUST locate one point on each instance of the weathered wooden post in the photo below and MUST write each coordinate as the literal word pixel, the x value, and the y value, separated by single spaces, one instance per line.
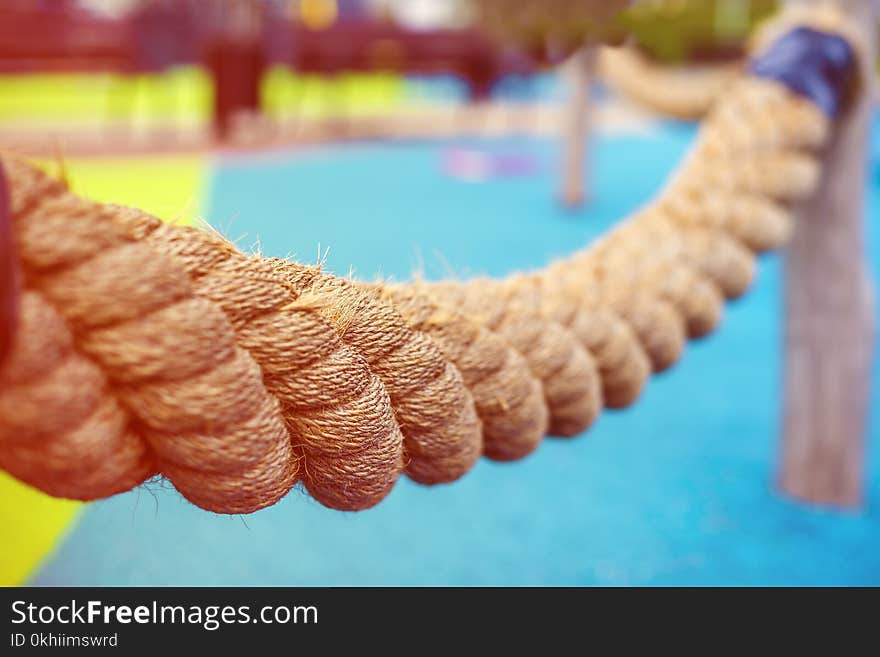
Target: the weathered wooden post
pixel 576 128
pixel 830 318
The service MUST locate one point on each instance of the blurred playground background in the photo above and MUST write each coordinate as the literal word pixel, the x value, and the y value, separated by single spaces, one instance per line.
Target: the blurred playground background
pixel 387 137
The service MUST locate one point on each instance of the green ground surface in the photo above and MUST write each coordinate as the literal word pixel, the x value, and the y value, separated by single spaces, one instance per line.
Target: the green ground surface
pixel 180 94
pixel 184 96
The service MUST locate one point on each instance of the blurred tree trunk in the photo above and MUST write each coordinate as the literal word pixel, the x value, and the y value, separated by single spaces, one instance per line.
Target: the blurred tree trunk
pixel 830 317
pixel 575 186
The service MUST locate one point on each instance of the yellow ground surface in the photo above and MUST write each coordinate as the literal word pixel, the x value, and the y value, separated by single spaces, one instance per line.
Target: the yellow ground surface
pixel 169 187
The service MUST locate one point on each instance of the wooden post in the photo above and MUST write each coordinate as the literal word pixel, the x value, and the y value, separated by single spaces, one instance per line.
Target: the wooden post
pixel 575 169
pixel 236 61
pixel 830 318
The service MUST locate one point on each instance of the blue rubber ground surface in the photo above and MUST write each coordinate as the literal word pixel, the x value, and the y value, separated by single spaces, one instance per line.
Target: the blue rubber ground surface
pixel 676 490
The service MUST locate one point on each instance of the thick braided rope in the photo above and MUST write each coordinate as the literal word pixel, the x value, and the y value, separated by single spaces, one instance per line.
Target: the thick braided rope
pixel 691 91
pixel 683 92
pixel 144 348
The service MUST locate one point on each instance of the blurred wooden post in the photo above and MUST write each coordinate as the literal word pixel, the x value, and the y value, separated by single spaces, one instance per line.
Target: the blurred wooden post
pixel 576 128
pixel 830 317
pixel 236 61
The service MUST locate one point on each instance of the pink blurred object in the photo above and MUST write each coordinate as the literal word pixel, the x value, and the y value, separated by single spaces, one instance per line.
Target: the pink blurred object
pixel 474 165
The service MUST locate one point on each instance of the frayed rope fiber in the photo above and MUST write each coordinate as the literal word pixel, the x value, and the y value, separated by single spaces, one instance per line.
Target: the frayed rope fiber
pixel 143 348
